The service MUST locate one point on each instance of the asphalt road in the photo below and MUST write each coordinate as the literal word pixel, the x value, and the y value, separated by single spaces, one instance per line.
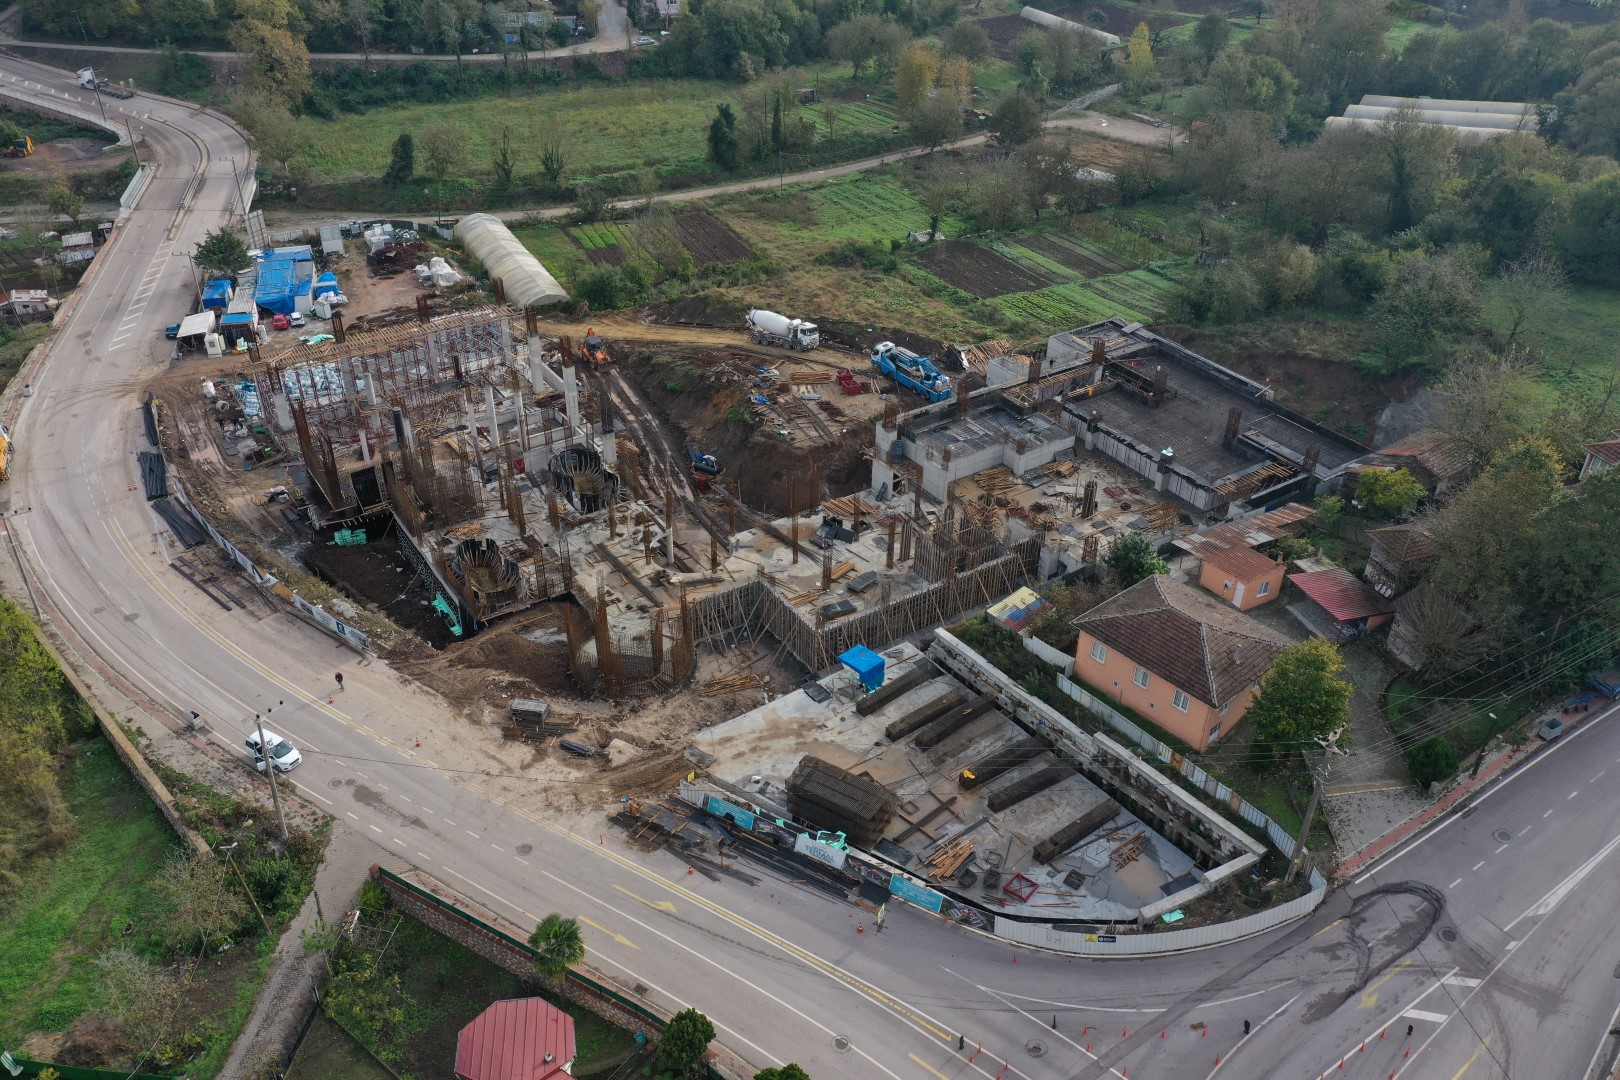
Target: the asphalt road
pixel 1501 953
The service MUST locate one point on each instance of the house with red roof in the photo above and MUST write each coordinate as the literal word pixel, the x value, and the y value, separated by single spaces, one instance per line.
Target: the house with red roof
pixel 1338 605
pixel 1601 455
pixel 516 1039
pixel 1242 577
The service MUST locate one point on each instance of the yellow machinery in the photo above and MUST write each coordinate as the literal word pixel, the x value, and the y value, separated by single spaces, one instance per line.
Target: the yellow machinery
pixel 5 453
pixel 593 350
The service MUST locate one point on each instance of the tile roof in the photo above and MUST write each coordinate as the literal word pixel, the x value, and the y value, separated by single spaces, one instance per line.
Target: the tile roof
pixel 1198 643
pixel 1243 563
pixel 1438 453
pixel 1341 594
pixel 1247 532
pixel 516 1039
pixel 1404 542
pixel 1606 452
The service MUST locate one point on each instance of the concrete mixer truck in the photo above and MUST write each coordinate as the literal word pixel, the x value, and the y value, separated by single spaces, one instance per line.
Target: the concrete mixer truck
pixel 769 328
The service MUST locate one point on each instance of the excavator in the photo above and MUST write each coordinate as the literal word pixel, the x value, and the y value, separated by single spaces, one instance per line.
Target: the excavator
pixel 593 351
pixel 5 453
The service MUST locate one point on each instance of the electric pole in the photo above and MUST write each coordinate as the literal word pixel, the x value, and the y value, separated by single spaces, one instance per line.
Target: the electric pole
pixel 270 770
pixel 1305 827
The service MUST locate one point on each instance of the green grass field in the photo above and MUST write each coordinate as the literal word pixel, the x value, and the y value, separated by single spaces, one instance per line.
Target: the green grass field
pixel 75 903
pixel 1577 349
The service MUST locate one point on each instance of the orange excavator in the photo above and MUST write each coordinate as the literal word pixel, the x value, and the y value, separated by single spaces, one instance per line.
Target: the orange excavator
pixel 593 350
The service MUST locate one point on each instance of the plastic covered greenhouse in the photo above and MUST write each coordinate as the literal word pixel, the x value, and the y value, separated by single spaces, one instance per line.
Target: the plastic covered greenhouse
pixel 525 282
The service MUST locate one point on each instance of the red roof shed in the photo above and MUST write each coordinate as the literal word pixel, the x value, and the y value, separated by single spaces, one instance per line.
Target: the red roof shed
pixel 1350 604
pixel 517 1039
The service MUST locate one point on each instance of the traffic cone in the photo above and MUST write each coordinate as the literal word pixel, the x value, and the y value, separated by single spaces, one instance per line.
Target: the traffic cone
pixel 419 740
pixel 1088 1048
pixel 1162 1034
pixel 1341 1063
pixel 1203 1033
pixel 1363 1049
pixel 1125 1034
pixel 329 699
pixel 1086 1030
pixel 1384 1032
pixel 861 929
pixel 689 870
pixel 1217 1059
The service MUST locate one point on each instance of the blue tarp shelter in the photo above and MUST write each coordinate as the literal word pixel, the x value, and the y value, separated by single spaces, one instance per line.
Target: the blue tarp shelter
pixel 866 664
pixel 326 285
pixel 216 295
pixel 281 285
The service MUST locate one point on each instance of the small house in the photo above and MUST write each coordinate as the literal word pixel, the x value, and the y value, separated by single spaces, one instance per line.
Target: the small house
pixel 668 10
pixel 1177 656
pixel 1439 462
pixel 516 1039
pixel 1338 605
pixel 1242 577
pixel 1601 455
pixel 1015 611
pixel 32 303
pixel 1399 555
pixel 76 248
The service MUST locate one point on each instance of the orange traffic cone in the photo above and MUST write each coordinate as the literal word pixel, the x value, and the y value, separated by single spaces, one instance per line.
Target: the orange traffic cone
pixel 329 699
pixel 1382 1033
pixel 1125 1034
pixel 861 929
pixel 1363 1049
pixel 1162 1034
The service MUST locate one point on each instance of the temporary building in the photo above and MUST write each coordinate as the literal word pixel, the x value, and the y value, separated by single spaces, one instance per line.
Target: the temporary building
pixel 525 283
pixel 866 664
pixel 284 286
pixel 1053 22
pixel 326 285
pixel 194 325
pixel 216 294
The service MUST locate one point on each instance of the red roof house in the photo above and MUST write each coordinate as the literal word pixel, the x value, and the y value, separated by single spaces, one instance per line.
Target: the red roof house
pixel 1338 604
pixel 517 1039
pixel 1601 455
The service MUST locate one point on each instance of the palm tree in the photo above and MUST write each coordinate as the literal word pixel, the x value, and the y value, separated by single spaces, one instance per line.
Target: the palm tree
pixel 557 946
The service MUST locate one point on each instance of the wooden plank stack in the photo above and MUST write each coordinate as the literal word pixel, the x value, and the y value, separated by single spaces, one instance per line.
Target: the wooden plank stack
pixel 996 480
pixel 948 859
pixel 1065 467
pixel 841 571
pixel 1127 850
pixel 850 506
pixel 734 683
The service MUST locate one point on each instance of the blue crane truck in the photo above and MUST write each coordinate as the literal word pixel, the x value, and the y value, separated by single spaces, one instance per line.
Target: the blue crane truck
pixel 908 369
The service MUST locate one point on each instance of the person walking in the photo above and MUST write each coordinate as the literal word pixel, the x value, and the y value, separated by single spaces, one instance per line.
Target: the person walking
pixel 340 682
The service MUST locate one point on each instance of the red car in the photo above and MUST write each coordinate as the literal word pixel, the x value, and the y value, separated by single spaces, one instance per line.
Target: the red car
pixel 279 322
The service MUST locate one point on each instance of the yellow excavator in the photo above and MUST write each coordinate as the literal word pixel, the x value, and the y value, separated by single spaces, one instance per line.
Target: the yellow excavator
pixel 593 350
pixel 5 453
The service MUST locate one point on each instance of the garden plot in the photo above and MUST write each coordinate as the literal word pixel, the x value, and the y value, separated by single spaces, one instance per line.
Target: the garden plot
pixel 978 270
pixel 864 117
pixel 604 242
pixel 1085 260
pixel 1142 291
pixel 866 209
pixel 1063 307
pixel 710 241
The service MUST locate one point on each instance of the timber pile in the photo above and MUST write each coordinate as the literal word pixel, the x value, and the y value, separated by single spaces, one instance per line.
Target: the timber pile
pixel 1000 761
pixel 1075 831
pixel 1127 850
pixel 470 531
pixel 985 515
pixel 996 480
pixel 947 860
pixel 920 673
pixel 1162 516
pixel 828 797
pixel 806 597
pixel 923 714
pixel 849 506
pixel 1066 467
pixel 734 683
pixel 841 571
pixel 806 377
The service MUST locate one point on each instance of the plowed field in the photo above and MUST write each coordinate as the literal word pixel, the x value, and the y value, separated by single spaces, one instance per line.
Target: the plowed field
pixel 977 270
pixel 1086 260
pixel 711 242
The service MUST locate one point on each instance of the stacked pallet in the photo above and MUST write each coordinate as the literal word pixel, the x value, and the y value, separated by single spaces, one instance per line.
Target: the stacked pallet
pixel 828 797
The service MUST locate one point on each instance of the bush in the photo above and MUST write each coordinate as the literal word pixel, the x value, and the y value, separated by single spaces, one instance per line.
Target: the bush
pixel 371 898
pixel 1431 760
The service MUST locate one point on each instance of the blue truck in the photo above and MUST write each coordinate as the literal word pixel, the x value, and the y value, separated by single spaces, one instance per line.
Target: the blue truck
pixel 908 369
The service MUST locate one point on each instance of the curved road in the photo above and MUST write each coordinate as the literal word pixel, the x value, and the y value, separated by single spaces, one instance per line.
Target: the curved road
pixel 1502 959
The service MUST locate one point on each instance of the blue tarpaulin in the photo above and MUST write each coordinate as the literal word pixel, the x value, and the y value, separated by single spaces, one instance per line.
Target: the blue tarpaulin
pixel 866 664
pixel 326 285
pixel 280 285
pixel 217 294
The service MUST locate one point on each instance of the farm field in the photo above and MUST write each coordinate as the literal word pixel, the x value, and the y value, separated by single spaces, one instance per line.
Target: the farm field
pixel 867 207
pixel 710 243
pixel 978 270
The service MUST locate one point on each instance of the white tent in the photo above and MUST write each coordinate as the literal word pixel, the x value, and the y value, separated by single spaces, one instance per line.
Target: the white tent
pixel 525 282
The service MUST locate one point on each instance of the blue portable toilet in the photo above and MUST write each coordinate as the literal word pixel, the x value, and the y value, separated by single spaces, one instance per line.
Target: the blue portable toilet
pixel 866 664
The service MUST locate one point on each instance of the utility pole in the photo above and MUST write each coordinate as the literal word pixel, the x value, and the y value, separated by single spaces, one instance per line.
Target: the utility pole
pixel 270 770
pixel 1305 827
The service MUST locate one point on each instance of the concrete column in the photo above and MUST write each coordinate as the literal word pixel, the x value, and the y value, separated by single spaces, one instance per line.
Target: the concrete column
pixel 365 448
pixel 571 397
pixel 1167 457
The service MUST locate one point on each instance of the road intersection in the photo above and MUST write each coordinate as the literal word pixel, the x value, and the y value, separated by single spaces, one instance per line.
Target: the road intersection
pixel 1492 936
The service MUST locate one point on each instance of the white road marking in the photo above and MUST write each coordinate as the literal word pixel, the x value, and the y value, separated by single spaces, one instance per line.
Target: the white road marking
pixel 1572 794
pixel 1598 777
pixel 521 859
pixel 1454 884
pixel 470 833
pixel 1477 865
pixel 310 792
pixel 1219 1061
pixel 429 810
pixel 447 821
pixel 404 798
pixel 421 856
pixel 1557 893
pixel 1499 850
pixel 1431 1017
pixel 1526 829
pixel 1459 980
pixel 398 841
pixel 351 814
pixel 497 847
pixel 374 829
pixel 1547 815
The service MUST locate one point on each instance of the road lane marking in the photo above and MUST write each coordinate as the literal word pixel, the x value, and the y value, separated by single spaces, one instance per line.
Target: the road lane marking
pixel 659 905
pixel 1526 829
pixel 447 821
pixel 470 833
pixel 374 829
pixel 398 841
pixel 1598 777
pixel 1572 794
pixel 498 847
pixel 1369 996
pixel 1499 850
pixel 1547 815
pixel 620 938
pixel 384 787
pixel 1557 893
pixel 1478 865
pixel 351 814
pixel 1454 884
pixel 1469 1064
pixel 1030 1016
pixel 1431 1017
pixel 404 798
pixel 927 1066
pixel 1459 980
pixel 1328 927
pixel 521 859
pixel 310 792
pixel 421 856
pixel 1220 1061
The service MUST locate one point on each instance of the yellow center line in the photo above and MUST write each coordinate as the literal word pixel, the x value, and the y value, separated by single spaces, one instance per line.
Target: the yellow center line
pixel 1469 1064
pixel 927 1066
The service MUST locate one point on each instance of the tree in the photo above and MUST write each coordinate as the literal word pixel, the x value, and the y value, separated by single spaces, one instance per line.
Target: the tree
pixel 790 1071
pixel 935 121
pixel 1141 72
pixel 1418 158
pixel 956 80
pixel 503 162
pixel 686 1039
pixel 867 40
pixel 274 62
pixel 1485 405
pixel 1017 119
pixel 402 160
pixel 450 22
pixel 556 151
pixel 221 253
pixel 1571 555
pixel 139 993
pixel 444 150
pixel 1443 636
pixel 967 40
pixel 181 20
pixel 1388 493
pixel 199 901
pixel 1431 297
pixel 1134 556
pixel 590 201
pixel 360 16
pixel 557 944
pixel 1211 34
pixel 724 149
pixel 1432 760
pixel 275 131
pixel 914 78
pixel 63 201
pixel 1531 291
pixel 1303 700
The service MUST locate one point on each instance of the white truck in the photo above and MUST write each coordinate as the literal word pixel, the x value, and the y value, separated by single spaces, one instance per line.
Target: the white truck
pixel 769 328
pixel 89 80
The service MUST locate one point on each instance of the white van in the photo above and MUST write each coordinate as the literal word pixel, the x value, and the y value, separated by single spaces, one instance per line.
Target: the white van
pixel 284 753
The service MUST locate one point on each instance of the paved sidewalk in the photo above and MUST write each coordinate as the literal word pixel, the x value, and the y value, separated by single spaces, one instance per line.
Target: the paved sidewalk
pixel 285 999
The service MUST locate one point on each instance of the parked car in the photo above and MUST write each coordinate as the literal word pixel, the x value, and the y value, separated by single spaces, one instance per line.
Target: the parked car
pixel 296 318
pixel 279 322
pixel 643 42
pixel 282 752
pixel 1551 729
pixel 172 331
